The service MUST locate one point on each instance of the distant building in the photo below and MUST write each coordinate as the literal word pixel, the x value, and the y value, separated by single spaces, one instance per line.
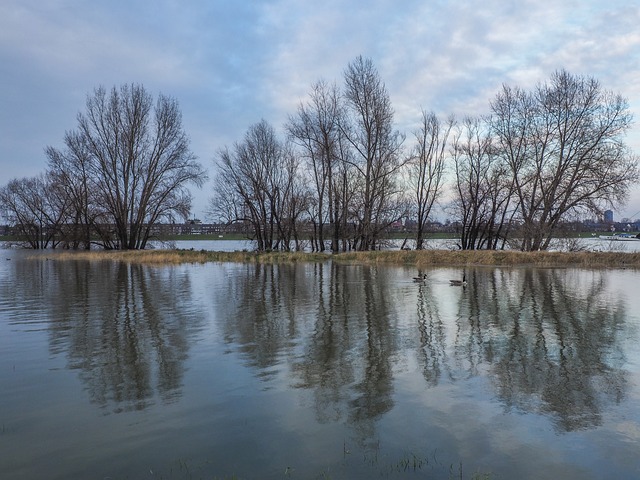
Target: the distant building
pixel 608 216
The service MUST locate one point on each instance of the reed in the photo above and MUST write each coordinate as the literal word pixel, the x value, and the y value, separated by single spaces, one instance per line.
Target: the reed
pixel 151 257
pixel 173 257
pixel 425 258
pixel 419 259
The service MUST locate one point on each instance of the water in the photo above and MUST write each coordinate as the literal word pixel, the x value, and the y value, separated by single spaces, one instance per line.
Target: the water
pixel 594 244
pixel 316 371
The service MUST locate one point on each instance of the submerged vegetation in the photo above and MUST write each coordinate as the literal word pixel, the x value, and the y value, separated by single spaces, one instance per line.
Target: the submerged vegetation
pixel 423 258
pixel 417 258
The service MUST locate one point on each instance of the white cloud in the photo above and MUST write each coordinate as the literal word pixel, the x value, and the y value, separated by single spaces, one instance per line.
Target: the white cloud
pixel 230 64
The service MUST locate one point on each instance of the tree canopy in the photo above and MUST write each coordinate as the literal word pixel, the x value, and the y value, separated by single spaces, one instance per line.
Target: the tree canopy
pixel 123 169
pixel 538 159
pixel 341 172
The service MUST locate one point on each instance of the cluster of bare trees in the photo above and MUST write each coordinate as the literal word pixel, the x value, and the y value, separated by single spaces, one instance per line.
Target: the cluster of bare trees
pixel 513 177
pixel 258 181
pixel 341 164
pixel 539 159
pixel 123 169
pixel 33 206
pixel 341 171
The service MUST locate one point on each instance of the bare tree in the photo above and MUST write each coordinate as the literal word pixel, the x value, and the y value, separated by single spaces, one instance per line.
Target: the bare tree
pixel 291 199
pixel 136 158
pixel 71 169
pixel 344 193
pixel 426 168
pixel 368 127
pixel 260 174
pixel 484 188
pixel 35 207
pixel 564 144
pixel 315 130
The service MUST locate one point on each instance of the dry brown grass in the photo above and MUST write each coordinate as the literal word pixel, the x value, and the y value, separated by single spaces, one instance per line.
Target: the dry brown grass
pixel 425 258
pixel 415 258
pixel 155 257
pixel 172 257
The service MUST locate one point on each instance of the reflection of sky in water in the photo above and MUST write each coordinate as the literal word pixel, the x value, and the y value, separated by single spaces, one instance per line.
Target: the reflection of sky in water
pixel 589 244
pixel 341 370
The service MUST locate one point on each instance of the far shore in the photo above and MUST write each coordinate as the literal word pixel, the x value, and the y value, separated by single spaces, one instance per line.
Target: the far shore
pixel 413 258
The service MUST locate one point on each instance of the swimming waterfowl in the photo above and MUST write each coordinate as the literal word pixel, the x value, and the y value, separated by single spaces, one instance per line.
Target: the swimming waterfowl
pixel 420 278
pixel 459 283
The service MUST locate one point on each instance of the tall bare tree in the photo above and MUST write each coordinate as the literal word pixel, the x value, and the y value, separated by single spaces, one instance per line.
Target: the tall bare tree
pixel 260 174
pixel 484 201
pixel 291 199
pixel 36 207
pixel 368 127
pixel 315 130
pixel 426 167
pixel 564 144
pixel 138 160
pixel 71 169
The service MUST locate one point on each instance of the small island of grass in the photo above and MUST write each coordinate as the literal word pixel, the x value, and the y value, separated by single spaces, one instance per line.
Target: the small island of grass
pixel 415 258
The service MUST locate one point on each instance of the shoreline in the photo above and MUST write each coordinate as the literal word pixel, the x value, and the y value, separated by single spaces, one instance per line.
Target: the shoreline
pixel 414 258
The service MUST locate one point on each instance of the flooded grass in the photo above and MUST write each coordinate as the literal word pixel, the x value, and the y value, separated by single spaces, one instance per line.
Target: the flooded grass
pixel 425 258
pixel 417 258
pixel 405 466
pixel 169 257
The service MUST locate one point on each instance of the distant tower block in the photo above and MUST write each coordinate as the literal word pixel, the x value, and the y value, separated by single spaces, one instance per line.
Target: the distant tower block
pixel 608 216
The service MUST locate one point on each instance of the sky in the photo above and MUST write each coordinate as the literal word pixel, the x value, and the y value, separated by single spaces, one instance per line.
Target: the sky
pixel 230 64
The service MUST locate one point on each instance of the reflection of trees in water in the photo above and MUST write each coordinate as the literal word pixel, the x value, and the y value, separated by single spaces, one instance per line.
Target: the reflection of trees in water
pixel 549 338
pixel 330 322
pixel 432 353
pixel 374 354
pixel 326 366
pixel 126 327
pixel 260 308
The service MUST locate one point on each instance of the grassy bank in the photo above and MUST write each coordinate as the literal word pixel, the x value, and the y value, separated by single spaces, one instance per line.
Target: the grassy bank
pixel 498 258
pixel 167 257
pixel 415 258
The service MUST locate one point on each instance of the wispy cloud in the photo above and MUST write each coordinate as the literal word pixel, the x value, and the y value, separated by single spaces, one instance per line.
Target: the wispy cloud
pixel 230 64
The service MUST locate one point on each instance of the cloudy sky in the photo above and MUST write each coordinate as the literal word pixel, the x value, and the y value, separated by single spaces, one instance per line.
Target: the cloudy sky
pixel 232 63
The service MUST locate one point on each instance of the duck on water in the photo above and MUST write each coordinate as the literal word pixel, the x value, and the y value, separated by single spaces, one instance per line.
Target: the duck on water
pixel 459 283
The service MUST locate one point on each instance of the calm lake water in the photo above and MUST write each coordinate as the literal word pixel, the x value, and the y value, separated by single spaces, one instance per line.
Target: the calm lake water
pixel 593 244
pixel 112 371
